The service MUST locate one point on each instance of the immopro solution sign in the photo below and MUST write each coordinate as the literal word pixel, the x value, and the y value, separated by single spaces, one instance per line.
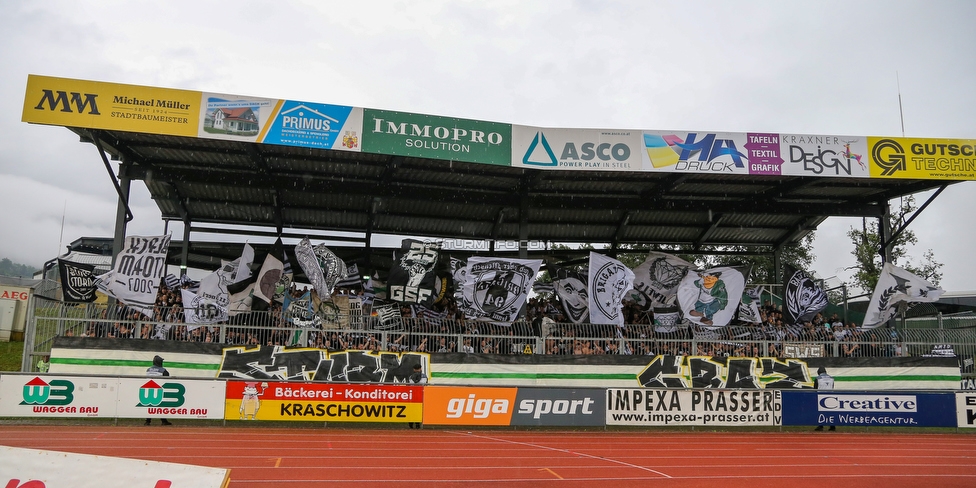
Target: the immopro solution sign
pixel 430 136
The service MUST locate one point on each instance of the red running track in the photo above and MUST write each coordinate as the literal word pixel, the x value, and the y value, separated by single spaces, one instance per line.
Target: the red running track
pixel 434 458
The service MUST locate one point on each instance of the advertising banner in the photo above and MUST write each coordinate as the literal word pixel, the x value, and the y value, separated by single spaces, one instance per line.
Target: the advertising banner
pixel 445 405
pixel 867 408
pixel 316 125
pixel 57 396
pixel 930 159
pixel 808 155
pixel 698 152
pixel 170 398
pixel 559 406
pixel 430 136
pixel 644 407
pixel 323 402
pixel 33 468
pixel 111 106
pixel 966 410
pixel 576 149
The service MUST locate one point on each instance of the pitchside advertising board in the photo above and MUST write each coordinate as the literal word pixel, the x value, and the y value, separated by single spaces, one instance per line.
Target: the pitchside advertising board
pixel 884 408
pixel 328 402
pixel 966 410
pixel 445 405
pixel 652 407
pixel 92 396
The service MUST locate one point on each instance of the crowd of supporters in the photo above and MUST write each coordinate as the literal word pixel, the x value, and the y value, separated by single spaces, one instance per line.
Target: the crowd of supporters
pixel 443 328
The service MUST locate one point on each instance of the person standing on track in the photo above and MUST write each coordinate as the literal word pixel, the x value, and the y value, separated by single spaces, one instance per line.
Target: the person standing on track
pixel 157 369
pixel 824 381
pixel 419 378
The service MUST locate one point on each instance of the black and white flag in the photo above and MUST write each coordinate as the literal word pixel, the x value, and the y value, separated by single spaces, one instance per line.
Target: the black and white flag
pixel 77 281
pixel 494 289
pixel 387 315
pixel 609 281
pixel 238 270
pixel 896 285
pixel 749 306
pixel 274 278
pixel 138 270
pixel 321 266
pixel 802 298
pixel 656 283
pixel 574 294
pixel 413 277
pixel 209 305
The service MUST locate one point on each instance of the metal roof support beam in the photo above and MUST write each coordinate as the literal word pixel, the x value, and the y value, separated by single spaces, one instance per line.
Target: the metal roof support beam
pixel 898 231
pixel 716 220
pixel 619 234
pixel 801 228
pixel 884 231
pixel 258 159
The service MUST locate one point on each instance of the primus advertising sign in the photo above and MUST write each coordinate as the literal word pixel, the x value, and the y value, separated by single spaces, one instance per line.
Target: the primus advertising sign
pixel 429 136
pixel 638 406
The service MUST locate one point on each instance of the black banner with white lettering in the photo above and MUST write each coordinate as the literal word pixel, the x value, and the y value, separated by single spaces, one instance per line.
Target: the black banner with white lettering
pixel 77 281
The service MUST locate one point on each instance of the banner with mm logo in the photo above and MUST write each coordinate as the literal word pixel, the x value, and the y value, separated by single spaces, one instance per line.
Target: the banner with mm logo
pixel 166 397
pixel 111 106
pixel 430 136
pixel 27 395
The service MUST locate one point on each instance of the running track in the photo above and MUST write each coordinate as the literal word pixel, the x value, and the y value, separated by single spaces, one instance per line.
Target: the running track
pixel 434 458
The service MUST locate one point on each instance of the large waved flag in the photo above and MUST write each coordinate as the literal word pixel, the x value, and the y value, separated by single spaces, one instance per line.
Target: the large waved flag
pixel 413 276
pixel 138 271
pixel 609 281
pixel 495 289
pixel 271 274
pixel 656 283
pixel 802 298
pixel 896 285
pixel 711 297
pixel 238 270
pixel 571 288
pixel 322 267
pixel 209 304
pixel 77 281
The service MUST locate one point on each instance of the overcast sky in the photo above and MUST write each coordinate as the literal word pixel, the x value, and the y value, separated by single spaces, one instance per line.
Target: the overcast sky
pixel 821 67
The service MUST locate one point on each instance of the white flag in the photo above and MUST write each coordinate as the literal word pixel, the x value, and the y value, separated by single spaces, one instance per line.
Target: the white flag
pixel 710 298
pixel 609 281
pixel 895 285
pixel 495 289
pixel 138 270
pixel 209 304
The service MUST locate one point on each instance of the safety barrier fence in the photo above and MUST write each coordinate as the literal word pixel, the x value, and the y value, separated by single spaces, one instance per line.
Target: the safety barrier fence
pixel 119 397
pixel 439 335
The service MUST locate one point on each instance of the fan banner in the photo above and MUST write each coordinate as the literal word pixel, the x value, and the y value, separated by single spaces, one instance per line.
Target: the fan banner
pixel 711 297
pixel 571 288
pixel 496 288
pixel 77 281
pixel 138 271
pixel 609 282
pixel 412 276
pixel 896 285
pixel 749 306
pixel 656 280
pixel 321 266
pixel 803 299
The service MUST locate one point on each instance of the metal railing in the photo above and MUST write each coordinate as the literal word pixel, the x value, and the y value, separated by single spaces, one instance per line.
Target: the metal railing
pixel 432 334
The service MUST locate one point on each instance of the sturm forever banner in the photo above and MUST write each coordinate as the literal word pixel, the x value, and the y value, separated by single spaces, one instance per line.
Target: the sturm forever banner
pixel 137 273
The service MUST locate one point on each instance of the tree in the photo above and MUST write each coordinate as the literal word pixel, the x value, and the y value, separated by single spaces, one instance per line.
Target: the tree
pixel 9 268
pixel 867 242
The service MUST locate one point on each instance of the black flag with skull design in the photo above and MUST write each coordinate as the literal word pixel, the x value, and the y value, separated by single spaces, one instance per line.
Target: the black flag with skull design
pixel 413 277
